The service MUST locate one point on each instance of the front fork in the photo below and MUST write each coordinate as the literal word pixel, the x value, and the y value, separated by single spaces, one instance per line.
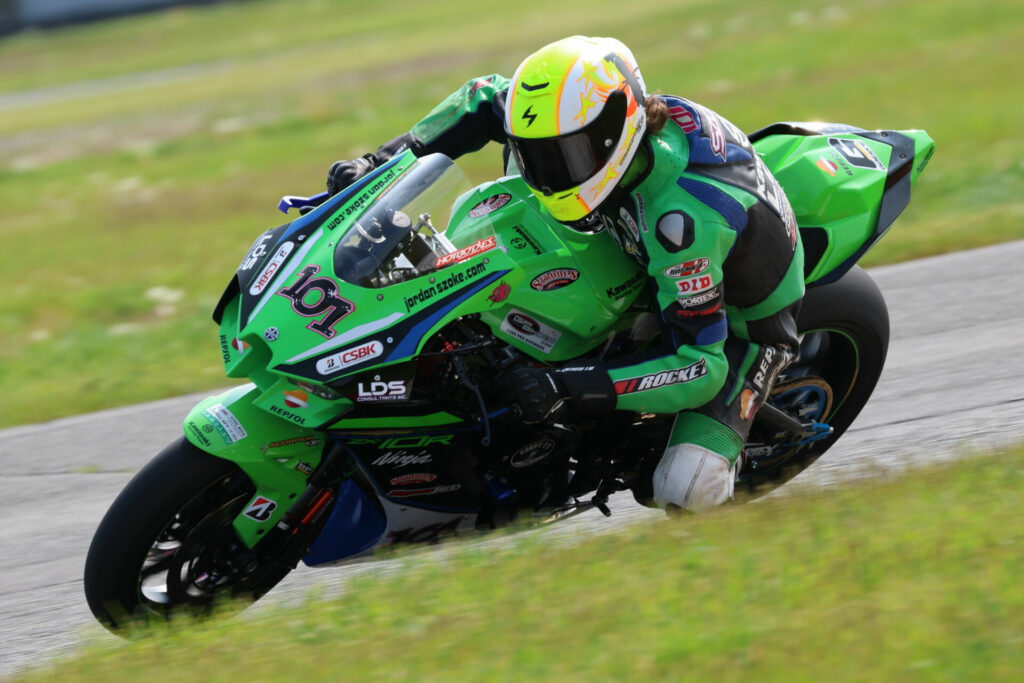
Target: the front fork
pixel 294 469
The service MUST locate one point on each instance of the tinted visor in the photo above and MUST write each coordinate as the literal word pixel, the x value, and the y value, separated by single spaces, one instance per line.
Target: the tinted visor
pixel 561 163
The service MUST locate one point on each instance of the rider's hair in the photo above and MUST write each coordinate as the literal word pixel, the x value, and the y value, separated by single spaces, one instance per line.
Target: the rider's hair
pixel 657 113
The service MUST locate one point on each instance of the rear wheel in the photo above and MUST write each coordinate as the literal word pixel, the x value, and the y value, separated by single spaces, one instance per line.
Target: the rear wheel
pixel 167 545
pixel 845 328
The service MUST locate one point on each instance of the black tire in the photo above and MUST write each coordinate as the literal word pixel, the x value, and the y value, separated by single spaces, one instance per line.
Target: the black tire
pixel 173 518
pixel 846 336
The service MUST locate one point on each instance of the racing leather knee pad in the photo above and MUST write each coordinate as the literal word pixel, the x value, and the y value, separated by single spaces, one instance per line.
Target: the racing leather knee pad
pixel 693 478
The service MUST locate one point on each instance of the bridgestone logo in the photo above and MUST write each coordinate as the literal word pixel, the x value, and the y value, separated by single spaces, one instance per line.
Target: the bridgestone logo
pixel 662 379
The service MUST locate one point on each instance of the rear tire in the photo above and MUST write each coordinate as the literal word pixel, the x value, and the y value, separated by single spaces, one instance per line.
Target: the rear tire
pixel 845 328
pixel 167 544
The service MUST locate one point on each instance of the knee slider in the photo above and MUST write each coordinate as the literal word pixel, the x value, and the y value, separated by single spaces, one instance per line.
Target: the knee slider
pixel 693 478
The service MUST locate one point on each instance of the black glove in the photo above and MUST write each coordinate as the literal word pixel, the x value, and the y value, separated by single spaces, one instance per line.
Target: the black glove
pixel 579 388
pixel 344 173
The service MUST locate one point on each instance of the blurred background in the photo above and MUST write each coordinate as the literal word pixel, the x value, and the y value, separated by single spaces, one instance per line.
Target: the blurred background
pixel 141 154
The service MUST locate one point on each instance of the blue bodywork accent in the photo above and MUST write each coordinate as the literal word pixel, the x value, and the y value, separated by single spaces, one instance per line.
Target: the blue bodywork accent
pixel 708 194
pixel 354 526
pixel 333 203
pixel 411 341
pixel 714 333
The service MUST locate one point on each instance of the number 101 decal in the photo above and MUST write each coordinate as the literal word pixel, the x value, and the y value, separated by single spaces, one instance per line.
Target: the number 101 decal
pixel 327 300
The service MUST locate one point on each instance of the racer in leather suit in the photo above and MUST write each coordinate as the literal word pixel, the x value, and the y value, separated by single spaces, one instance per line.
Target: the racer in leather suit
pixel 682 191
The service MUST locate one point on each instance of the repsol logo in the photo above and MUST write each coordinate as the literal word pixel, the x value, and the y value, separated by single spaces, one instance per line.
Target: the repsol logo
pixel 288 415
pixel 765 369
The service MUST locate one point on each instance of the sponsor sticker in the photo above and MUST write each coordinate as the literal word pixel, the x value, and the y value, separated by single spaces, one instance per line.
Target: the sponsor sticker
pixel 554 279
pixel 530 331
pixel 683 118
pixel 305 440
pixel 226 424
pixel 828 166
pixel 492 203
pixel 500 293
pixel 403 458
pixel 475 249
pixel 700 299
pixel 694 285
pixel 256 252
pixel 430 491
pixel 296 398
pixel 748 401
pixel 375 392
pixel 655 380
pixel 260 509
pixel 414 478
pixel 532 453
pixel 349 357
pixel 239 345
pixel 269 270
pixel 857 153
pixel 689 268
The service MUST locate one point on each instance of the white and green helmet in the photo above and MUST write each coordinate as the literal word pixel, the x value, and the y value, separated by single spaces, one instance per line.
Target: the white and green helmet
pixel 574 118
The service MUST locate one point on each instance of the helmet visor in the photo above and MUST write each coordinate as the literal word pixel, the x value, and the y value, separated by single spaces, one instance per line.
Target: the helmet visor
pixel 566 161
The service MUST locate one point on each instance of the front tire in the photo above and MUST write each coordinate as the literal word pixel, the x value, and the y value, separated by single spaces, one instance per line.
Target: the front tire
pixel 167 544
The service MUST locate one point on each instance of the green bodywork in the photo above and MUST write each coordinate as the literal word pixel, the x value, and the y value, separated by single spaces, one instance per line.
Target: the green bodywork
pixel 276 428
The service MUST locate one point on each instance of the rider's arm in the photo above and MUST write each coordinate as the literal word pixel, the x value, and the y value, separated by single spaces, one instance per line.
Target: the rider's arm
pixel 464 122
pixel 685 253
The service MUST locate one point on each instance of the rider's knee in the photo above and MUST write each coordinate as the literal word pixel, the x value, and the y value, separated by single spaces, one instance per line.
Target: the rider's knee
pixel 693 478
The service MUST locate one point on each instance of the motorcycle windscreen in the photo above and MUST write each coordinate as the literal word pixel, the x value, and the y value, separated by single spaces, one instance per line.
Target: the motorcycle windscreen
pixel 401 235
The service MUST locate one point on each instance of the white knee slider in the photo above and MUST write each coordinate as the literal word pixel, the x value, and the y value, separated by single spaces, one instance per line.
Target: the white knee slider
pixel 693 478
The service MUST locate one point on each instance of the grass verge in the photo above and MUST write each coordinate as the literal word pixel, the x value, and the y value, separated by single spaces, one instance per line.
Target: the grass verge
pixel 157 170
pixel 917 578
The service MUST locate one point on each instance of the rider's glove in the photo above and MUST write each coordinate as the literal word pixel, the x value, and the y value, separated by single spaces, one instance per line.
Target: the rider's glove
pixel 344 173
pixel 576 389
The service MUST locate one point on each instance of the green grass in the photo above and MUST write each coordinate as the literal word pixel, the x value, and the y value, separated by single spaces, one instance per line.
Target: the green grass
pixel 108 196
pixel 917 578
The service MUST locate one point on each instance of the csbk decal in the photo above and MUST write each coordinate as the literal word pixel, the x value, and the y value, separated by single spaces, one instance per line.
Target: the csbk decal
pixel 492 203
pixel 349 357
pixel 327 300
pixel 554 279
pixel 268 272
pixel 688 268
pixel 660 379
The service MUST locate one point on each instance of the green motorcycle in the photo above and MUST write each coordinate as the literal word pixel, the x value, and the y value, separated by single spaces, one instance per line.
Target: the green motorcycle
pixel 372 329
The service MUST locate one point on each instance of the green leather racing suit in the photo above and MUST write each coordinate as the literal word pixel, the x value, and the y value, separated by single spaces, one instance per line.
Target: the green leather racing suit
pixel 702 214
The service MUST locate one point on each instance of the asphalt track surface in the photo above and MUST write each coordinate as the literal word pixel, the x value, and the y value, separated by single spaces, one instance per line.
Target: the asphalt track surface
pixel 953 386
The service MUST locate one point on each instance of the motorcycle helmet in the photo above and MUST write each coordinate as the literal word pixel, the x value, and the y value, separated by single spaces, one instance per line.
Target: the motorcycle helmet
pixel 574 119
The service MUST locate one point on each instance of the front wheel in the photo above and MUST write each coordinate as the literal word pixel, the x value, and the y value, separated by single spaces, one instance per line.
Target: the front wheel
pixel 845 337
pixel 167 545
